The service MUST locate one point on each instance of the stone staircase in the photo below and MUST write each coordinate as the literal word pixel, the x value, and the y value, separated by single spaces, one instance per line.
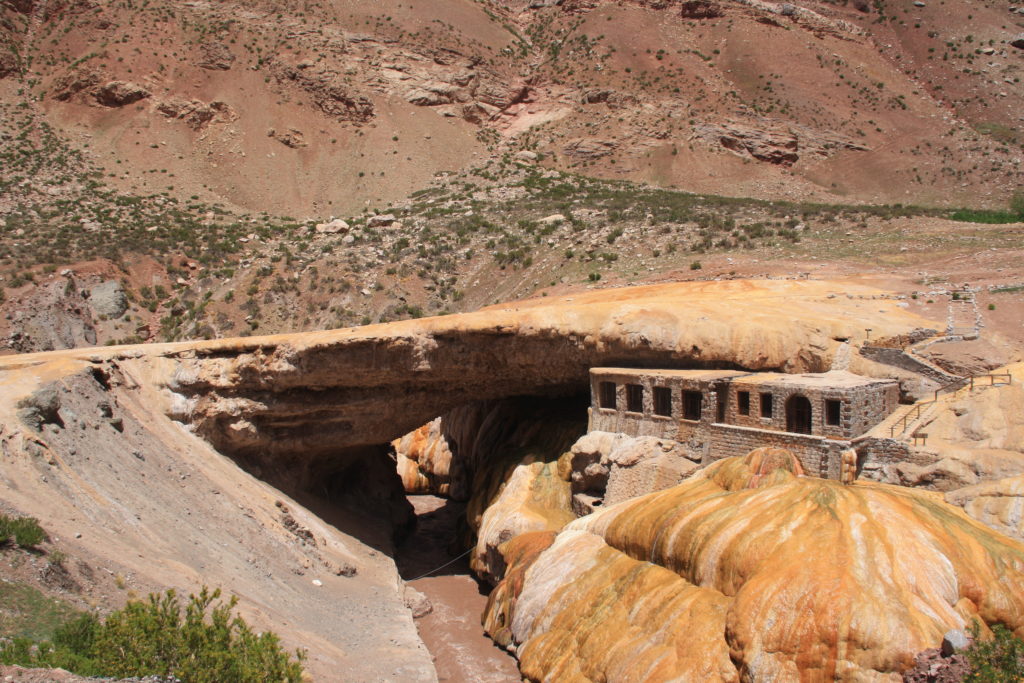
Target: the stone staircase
pixel 964 318
pixel 905 420
pixel 841 361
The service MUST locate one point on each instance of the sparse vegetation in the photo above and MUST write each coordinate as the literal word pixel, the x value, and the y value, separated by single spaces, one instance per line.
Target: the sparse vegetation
pixel 996 660
pixel 202 643
pixel 24 532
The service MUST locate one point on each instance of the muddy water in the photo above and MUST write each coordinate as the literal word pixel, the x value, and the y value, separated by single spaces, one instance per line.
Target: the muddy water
pixel 452 632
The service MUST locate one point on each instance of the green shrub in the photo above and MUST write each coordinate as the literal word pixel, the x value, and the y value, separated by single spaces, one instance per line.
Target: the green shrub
pixel 204 643
pixel 24 531
pixel 1017 204
pixel 989 216
pixel 999 660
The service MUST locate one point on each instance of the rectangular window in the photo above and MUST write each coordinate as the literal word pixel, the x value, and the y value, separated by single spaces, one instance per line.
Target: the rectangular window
pixel 833 412
pixel 691 405
pixel 634 398
pixel 607 395
pixel 743 402
pixel 663 401
pixel 766 405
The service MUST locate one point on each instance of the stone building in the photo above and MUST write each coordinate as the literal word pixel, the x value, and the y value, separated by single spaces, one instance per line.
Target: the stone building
pixel 721 413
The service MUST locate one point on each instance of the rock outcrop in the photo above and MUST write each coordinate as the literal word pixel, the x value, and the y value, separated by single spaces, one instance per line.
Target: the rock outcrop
pixel 296 404
pixel 610 468
pixel 424 461
pixel 215 57
pixel 92 83
pixel 749 571
pixel 10 64
pixel 998 504
pixel 108 299
pixel 120 93
pixel 197 114
pixel 973 436
pixel 88 450
pixel 774 142
pixel 330 93
pixel 509 459
pixel 50 317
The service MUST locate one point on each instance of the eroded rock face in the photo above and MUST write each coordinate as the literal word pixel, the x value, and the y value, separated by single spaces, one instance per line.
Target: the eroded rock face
pixel 998 504
pixel 215 56
pixel 424 460
pixel 120 93
pixel 535 497
pixel 87 449
pixel 10 64
pixel 197 114
pixel 330 93
pixel 773 142
pixel 311 397
pixel 973 436
pixel 749 571
pixel 609 468
pixel 52 316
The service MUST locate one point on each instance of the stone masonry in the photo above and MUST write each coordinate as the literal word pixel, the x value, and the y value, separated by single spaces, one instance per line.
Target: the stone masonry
pixel 721 413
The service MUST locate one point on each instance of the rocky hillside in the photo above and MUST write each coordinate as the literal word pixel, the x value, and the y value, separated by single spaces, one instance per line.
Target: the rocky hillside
pixel 320 107
pixel 275 166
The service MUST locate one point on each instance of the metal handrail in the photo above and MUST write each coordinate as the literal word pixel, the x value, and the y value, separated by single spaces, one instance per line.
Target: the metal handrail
pixel 914 413
pixel 911 415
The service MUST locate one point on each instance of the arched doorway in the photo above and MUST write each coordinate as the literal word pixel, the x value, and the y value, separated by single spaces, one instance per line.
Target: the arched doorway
pixel 798 414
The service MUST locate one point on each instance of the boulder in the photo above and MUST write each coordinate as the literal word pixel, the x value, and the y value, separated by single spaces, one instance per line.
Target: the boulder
pixel 955 640
pixel 700 9
pixel 1018 41
pixel 293 137
pixel 380 221
pixel 418 603
pixel 120 93
pixel 608 468
pixel 40 408
pixel 424 459
pixel 215 57
pixel 108 299
pixel 332 227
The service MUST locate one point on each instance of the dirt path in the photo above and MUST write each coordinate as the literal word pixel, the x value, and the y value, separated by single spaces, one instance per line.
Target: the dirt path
pixel 452 632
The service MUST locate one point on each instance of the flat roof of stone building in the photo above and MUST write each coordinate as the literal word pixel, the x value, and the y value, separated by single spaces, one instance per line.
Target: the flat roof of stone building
pixel 838 379
pixel 698 375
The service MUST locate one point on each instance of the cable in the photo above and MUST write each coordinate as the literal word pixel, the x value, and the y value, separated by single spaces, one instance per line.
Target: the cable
pixel 442 566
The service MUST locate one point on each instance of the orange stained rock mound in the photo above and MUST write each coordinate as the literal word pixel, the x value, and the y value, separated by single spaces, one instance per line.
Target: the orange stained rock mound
pixel 749 571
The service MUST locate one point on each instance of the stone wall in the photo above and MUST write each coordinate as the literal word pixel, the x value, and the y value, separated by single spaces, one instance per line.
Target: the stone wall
pixel 721 431
pixel 898 359
pixel 711 441
pixel 861 407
